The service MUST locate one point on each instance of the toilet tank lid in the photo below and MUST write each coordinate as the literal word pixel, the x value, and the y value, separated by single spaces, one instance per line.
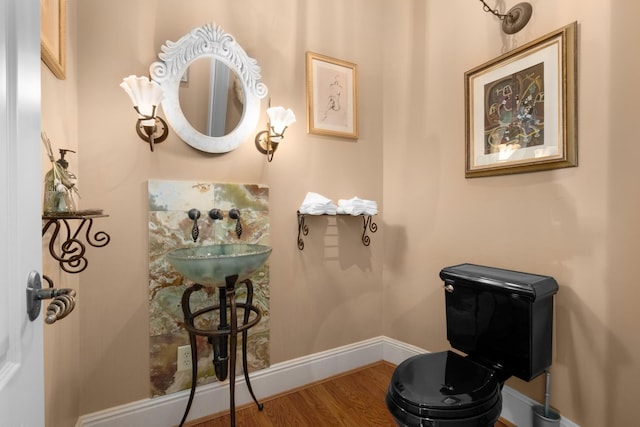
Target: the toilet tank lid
pixel 533 286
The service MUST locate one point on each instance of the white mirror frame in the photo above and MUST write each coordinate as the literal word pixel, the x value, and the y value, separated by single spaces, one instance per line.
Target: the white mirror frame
pixel 208 41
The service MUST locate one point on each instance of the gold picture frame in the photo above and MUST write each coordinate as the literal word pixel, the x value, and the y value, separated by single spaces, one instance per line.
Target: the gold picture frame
pixel 332 96
pixel 53 36
pixel 521 108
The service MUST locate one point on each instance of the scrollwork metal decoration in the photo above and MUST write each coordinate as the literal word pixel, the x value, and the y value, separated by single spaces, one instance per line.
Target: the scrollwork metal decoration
pixel 302 228
pixel 71 256
pixel 371 226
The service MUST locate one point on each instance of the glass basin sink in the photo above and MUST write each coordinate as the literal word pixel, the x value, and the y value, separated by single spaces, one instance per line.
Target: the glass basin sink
pixel 209 265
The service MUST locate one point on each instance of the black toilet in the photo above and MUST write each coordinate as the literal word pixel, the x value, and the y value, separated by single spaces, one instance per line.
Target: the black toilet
pixel 502 320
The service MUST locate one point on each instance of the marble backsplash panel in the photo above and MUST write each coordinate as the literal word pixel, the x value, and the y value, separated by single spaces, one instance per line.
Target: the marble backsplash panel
pixel 170 228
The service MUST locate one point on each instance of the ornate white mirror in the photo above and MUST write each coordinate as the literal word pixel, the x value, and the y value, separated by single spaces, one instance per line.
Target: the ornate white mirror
pixel 212 89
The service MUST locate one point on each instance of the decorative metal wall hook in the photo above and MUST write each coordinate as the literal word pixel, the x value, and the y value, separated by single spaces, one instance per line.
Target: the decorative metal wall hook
pixel 63 300
pixel 194 214
pixel 235 214
pixel 515 19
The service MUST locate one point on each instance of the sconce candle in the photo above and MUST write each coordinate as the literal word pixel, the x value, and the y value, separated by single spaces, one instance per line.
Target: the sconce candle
pixel 146 95
pixel 267 140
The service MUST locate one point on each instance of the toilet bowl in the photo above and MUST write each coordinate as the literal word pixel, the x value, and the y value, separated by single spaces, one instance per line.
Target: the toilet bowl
pixel 501 320
pixel 444 389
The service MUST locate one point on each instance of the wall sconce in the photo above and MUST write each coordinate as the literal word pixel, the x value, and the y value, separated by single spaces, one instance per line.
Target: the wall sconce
pixel 146 96
pixel 515 19
pixel 267 141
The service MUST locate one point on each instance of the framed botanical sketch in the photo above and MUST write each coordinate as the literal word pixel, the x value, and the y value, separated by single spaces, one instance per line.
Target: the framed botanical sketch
pixel 521 108
pixel 332 101
pixel 53 35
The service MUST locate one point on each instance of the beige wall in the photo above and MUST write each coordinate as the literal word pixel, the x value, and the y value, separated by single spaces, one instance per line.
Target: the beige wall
pixel 326 296
pixel 575 224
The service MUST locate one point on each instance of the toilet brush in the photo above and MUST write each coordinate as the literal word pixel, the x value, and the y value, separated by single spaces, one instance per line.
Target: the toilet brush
pixel 547 394
pixel 544 416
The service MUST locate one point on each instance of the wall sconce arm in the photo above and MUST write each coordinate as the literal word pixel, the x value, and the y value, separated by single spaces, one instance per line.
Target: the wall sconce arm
pixel 152 129
pixel 146 95
pixel 267 141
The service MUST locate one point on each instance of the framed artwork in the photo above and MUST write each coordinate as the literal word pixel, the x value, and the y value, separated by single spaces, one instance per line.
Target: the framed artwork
pixel 332 101
pixel 53 36
pixel 521 108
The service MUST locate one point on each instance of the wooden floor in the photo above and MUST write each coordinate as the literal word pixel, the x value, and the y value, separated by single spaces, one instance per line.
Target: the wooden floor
pixel 355 399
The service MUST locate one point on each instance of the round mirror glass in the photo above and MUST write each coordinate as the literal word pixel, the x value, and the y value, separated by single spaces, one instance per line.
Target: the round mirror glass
pixel 211 97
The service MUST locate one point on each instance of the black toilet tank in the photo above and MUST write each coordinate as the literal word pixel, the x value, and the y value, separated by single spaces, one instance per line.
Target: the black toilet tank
pixel 501 318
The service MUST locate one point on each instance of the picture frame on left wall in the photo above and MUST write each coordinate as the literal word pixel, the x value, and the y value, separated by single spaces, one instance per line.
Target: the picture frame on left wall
pixel 53 36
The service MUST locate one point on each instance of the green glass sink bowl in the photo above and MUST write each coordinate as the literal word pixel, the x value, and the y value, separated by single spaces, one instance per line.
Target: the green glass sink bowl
pixel 210 265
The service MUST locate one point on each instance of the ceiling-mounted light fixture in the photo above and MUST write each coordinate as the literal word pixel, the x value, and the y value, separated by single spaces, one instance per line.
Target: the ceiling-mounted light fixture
pixel 146 96
pixel 515 19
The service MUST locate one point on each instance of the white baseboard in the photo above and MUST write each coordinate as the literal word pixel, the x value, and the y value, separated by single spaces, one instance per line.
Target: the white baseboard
pixel 212 398
pixel 279 378
pixel 516 407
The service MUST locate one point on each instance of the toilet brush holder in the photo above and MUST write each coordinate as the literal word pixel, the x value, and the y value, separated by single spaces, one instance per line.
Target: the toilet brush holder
pixel 545 418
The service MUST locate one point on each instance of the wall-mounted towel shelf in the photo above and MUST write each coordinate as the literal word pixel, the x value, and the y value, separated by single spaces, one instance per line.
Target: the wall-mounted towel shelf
pixel 368 225
pixel 71 251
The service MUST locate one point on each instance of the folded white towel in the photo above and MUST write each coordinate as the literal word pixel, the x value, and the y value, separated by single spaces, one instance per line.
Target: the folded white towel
pixel 317 204
pixel 357 206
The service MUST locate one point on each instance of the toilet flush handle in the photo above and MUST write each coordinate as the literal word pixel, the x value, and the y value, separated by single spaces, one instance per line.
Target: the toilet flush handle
pixel 448 286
